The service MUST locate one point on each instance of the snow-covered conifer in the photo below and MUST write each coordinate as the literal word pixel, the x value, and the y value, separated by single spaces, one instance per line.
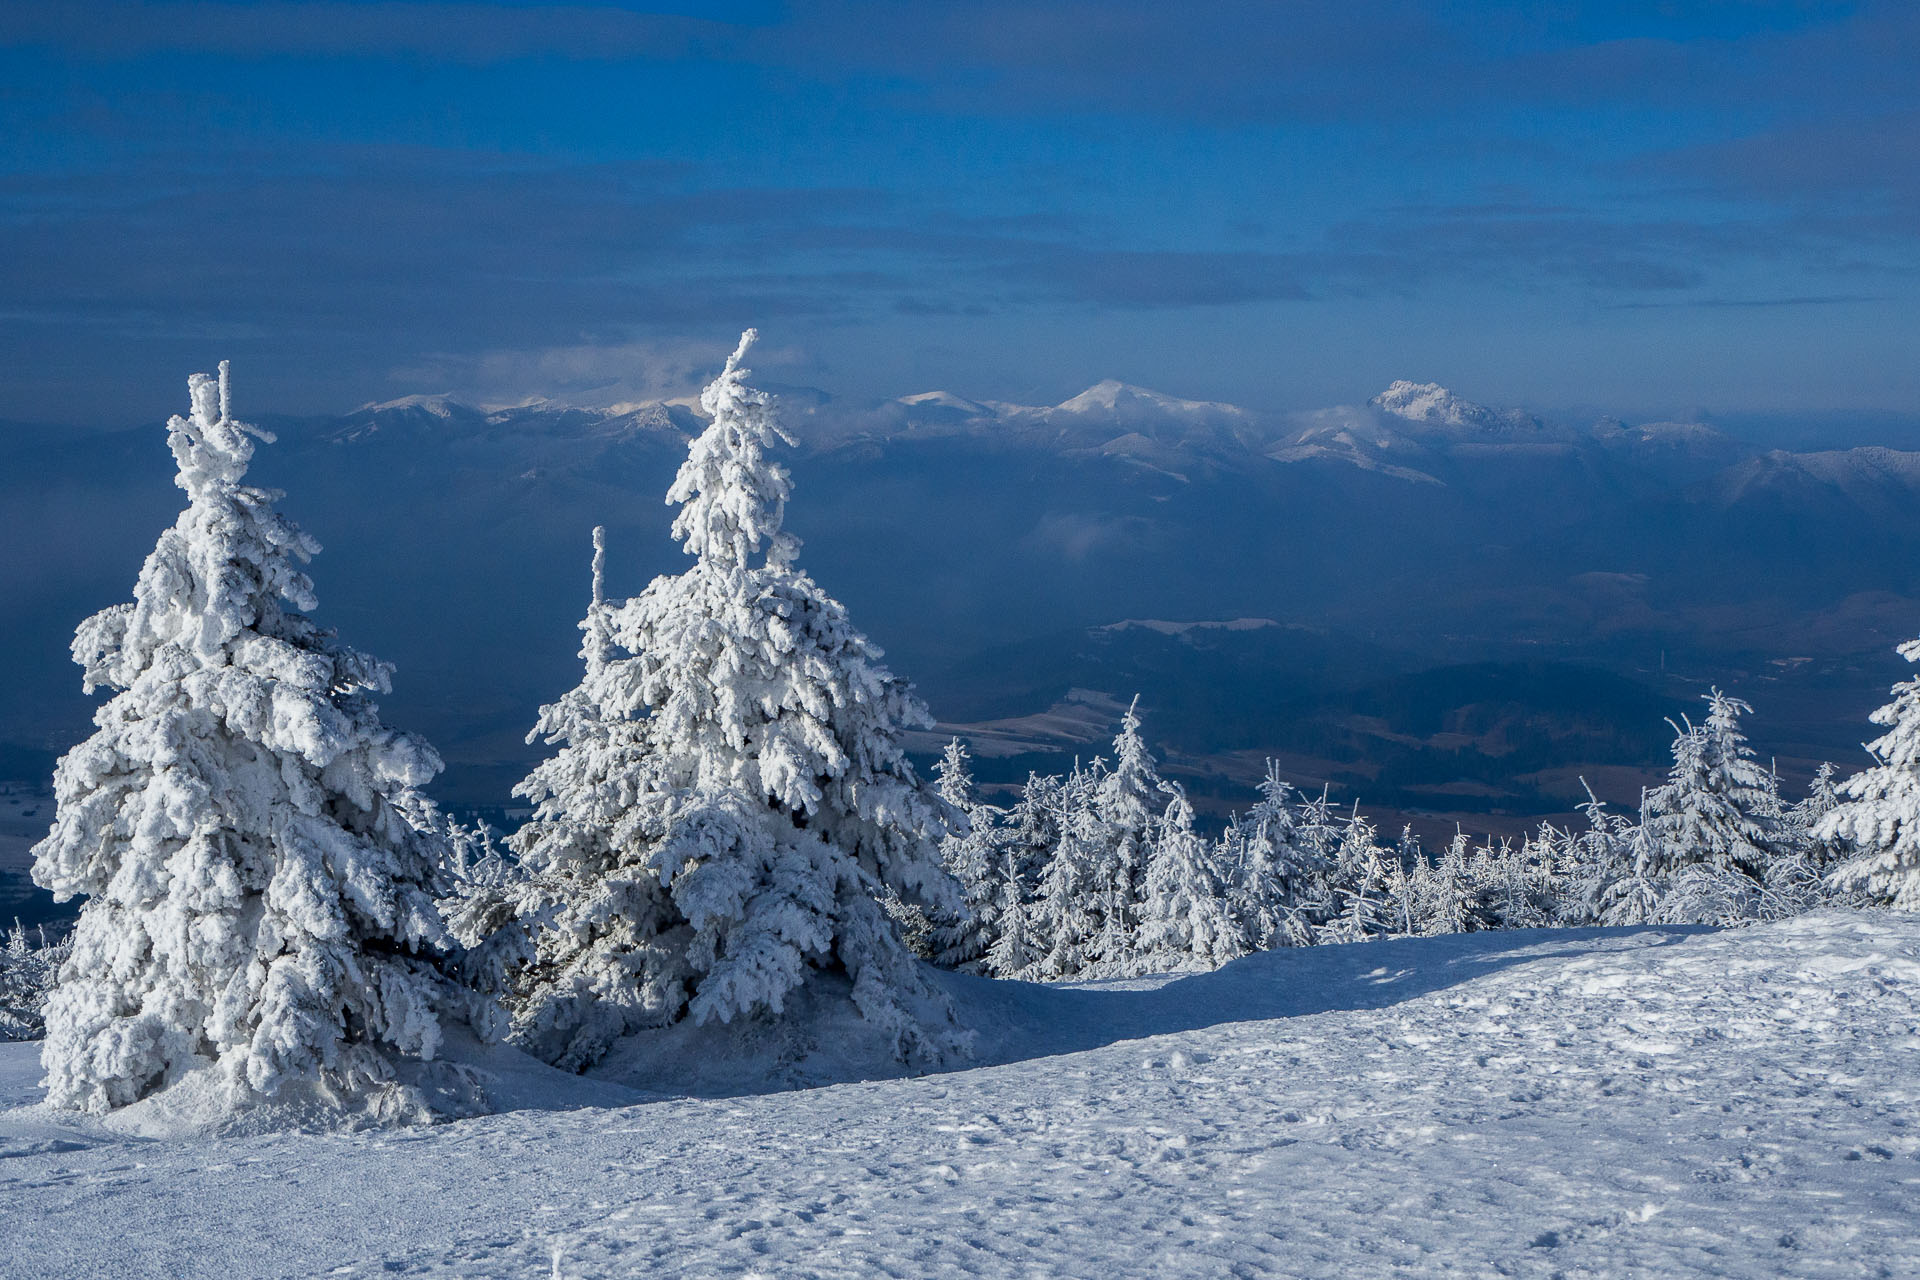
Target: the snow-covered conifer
pixel 1408 882
pixel 1878 820
pixel 29 965
pixel 1070 908
pixel 1320 837
pixel 1014 950
pixel 1186 921
pixel 1803 819
pixel 1718 805
pixel 973 858
pixel 1361 905
pixel 1708 893
pixel 260 868
pixel 1514 886
pixel 1129 801
pixel 1450 896
pixel 1278 874
pixel 750 802
pixel 589 943
pixel 1032 828
pixel 1633 897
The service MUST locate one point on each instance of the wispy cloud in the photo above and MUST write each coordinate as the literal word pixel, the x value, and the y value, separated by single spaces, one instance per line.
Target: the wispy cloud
pixel 1829 300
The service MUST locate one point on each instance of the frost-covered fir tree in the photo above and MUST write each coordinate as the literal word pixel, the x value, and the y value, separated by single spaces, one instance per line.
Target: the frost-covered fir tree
pixel 1515 883
pixel 1361 903
pixel 1408 884
pixel 973 858
pixel 29 964
pixel 766 804
pixel 1278 876
pixel 1878 819
pixel 260 868
pixel 1718 805
pixel 1032 827
pixel 1707 893
pixel 1014 950
pixel 589 943
pixel 1186 921
pixel 1592 861
pixel 1450 896
pixel 1070 907
pixel 1129 800
pixel 1822 798
pixel 1633 897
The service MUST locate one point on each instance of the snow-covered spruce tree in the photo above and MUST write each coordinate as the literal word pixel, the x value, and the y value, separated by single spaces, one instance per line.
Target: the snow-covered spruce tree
pixel 480 892
pixel 1633 897
pixel 586 943
pixel 766 796
pixel 1804 819
pixel 1450 897
pixel 1186 921
pixel 1277 875
pixel 1878 819
pixel 1718 805
pixel 1014 950
pixel 1409 881
pixel 1320 836
pixel 1361 905
pixel 1069 908
pixel 1708 893
pixel 1129 801
pixel 29 965
pixel 1514 887
pixel 1794 882
pixel 1033 828
pixel 974 859
pixel 259 866
pixel 1593 860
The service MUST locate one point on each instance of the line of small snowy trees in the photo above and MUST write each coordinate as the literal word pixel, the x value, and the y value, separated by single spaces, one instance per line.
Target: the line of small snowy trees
pixel 1099 873
pixel 274 908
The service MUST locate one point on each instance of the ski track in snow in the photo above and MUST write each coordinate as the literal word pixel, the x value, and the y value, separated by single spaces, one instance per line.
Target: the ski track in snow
pixel 1590 1103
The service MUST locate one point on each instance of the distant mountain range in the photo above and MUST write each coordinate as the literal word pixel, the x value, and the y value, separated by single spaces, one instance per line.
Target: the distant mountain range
pixel 1412 431
pixel 991 546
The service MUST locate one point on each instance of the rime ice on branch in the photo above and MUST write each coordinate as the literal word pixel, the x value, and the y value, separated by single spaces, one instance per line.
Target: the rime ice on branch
pixel 258 862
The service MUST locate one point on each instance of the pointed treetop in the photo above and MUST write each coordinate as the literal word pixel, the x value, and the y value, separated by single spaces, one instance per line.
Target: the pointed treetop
pixel 599 564
pixel 1129 750
pixel 733 497
pixel 596 625
pixel 1724 712
pixel 211 449
pixel 956 778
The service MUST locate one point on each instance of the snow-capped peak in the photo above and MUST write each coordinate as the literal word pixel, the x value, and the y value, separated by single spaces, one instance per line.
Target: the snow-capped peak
pixel 1431 404
pixel 1112 396
pixel 442 405
pixel 946 400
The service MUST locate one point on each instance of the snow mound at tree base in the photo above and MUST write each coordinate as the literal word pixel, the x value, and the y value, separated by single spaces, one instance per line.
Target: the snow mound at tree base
pixel 469 1079
pixel 818 1038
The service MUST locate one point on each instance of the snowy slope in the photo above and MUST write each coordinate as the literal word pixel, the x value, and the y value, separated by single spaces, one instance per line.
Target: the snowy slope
pixel 1618 1102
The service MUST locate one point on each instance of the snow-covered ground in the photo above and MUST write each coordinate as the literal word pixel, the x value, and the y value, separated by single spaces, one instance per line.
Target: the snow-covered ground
pixel 1593 1103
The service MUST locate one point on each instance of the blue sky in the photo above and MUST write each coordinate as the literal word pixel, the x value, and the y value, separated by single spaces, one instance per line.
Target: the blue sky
pixel 1648 208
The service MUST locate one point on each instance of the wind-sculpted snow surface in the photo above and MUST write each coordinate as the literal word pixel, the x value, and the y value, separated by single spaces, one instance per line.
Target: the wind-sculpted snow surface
pixel 1652 1102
